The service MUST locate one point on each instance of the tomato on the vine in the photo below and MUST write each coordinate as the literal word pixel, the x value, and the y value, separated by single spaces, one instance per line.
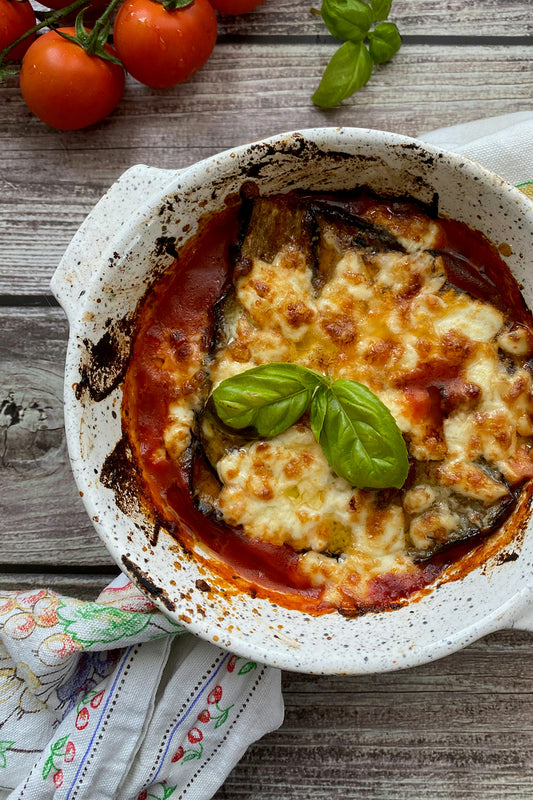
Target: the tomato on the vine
pixel 15 19
pixel 235 6
pixel 161 47
pixel 67 87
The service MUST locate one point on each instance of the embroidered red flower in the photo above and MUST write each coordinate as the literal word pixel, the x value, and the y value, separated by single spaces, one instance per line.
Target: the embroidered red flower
pixel 215 696
pixel 143 795
pixel 195 735
pixel 204 716
pixel 231 663
pixel 82 720
pixel 97 699
pixel 58 778
pixel 180 752
pixel 70 752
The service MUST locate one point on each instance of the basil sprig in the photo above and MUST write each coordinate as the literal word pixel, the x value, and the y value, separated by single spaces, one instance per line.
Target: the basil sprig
pixel 358 434
pixel 350 67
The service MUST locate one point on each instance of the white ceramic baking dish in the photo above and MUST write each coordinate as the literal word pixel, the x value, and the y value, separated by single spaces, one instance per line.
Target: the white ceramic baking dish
pixel 125 243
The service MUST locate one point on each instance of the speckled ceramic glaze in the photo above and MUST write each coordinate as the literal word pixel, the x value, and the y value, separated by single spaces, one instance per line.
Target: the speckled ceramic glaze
pixel 125 243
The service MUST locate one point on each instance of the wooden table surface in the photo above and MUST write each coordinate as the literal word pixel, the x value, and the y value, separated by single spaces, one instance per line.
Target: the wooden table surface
pixel 459 728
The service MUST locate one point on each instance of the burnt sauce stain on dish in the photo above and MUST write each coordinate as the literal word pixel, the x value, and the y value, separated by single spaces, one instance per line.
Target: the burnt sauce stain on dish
pixel 300 147
pixel 166 245
pixel 104 363
pixel 121 474
pixel 146 584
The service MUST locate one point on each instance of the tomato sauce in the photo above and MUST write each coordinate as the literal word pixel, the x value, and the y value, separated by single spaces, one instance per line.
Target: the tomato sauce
pixel 180 305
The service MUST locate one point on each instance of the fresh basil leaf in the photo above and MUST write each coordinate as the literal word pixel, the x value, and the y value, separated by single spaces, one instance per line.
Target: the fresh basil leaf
pixel 384 41
pixel 381 9
pixel 359 436
pixel 347 72
pixel 348 20
pixel 269 398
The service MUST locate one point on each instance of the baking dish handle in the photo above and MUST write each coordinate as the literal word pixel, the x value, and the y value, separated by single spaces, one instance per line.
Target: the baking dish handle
pixel 121 202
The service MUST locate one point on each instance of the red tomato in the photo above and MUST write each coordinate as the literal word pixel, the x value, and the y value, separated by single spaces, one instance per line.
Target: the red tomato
pixel 161 48
pixel 235 6
pixel 15 19
pixel 66 87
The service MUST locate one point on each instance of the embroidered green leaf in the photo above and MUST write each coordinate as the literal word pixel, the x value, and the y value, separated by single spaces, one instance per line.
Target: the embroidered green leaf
pixel 169 790
pixel 4 747
pixel 58 748
pixel 248 667
pixel 48 767
pixel 221 719
pixel 191 754
pixel 91 622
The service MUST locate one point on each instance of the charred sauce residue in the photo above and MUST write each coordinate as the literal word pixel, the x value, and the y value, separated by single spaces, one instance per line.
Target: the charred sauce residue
pixel 181 307
pixel 120 473
pixel 147 584
pixel 105 362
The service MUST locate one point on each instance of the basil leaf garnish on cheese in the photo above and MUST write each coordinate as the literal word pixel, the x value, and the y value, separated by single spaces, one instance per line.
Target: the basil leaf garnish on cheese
pixel 359 436
pixel 269 398
pixel 356 431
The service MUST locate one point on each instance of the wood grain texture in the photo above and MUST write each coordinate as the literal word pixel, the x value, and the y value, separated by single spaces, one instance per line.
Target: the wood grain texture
pixel 427 18
pixel 42 518
pixel 50 180
pixel 458 728
pixel 84 586
pixel 413 17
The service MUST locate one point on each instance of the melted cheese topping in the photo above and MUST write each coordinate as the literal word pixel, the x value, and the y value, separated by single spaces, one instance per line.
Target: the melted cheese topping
pixel 449 367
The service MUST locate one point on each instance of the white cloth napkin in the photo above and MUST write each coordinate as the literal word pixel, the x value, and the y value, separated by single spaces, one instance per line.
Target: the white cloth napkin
pixel 111 700
pixel 502 144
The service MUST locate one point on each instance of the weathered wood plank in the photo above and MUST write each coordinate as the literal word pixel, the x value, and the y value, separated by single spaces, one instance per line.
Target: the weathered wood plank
pixel 85 586
pixel 42 519
pixel 460 727
pixel 413 17
pixel 50 180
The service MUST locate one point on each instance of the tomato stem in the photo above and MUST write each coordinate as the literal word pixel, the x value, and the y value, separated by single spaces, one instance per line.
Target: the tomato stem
pixel 94 41
pixel 48 20
pixel 172 5
pixel 100 25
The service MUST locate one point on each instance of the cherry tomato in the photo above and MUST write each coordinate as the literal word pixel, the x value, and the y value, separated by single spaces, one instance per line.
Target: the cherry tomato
pixel 161 48
pixel 235 6
pixel 66 87
pixel 15 19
